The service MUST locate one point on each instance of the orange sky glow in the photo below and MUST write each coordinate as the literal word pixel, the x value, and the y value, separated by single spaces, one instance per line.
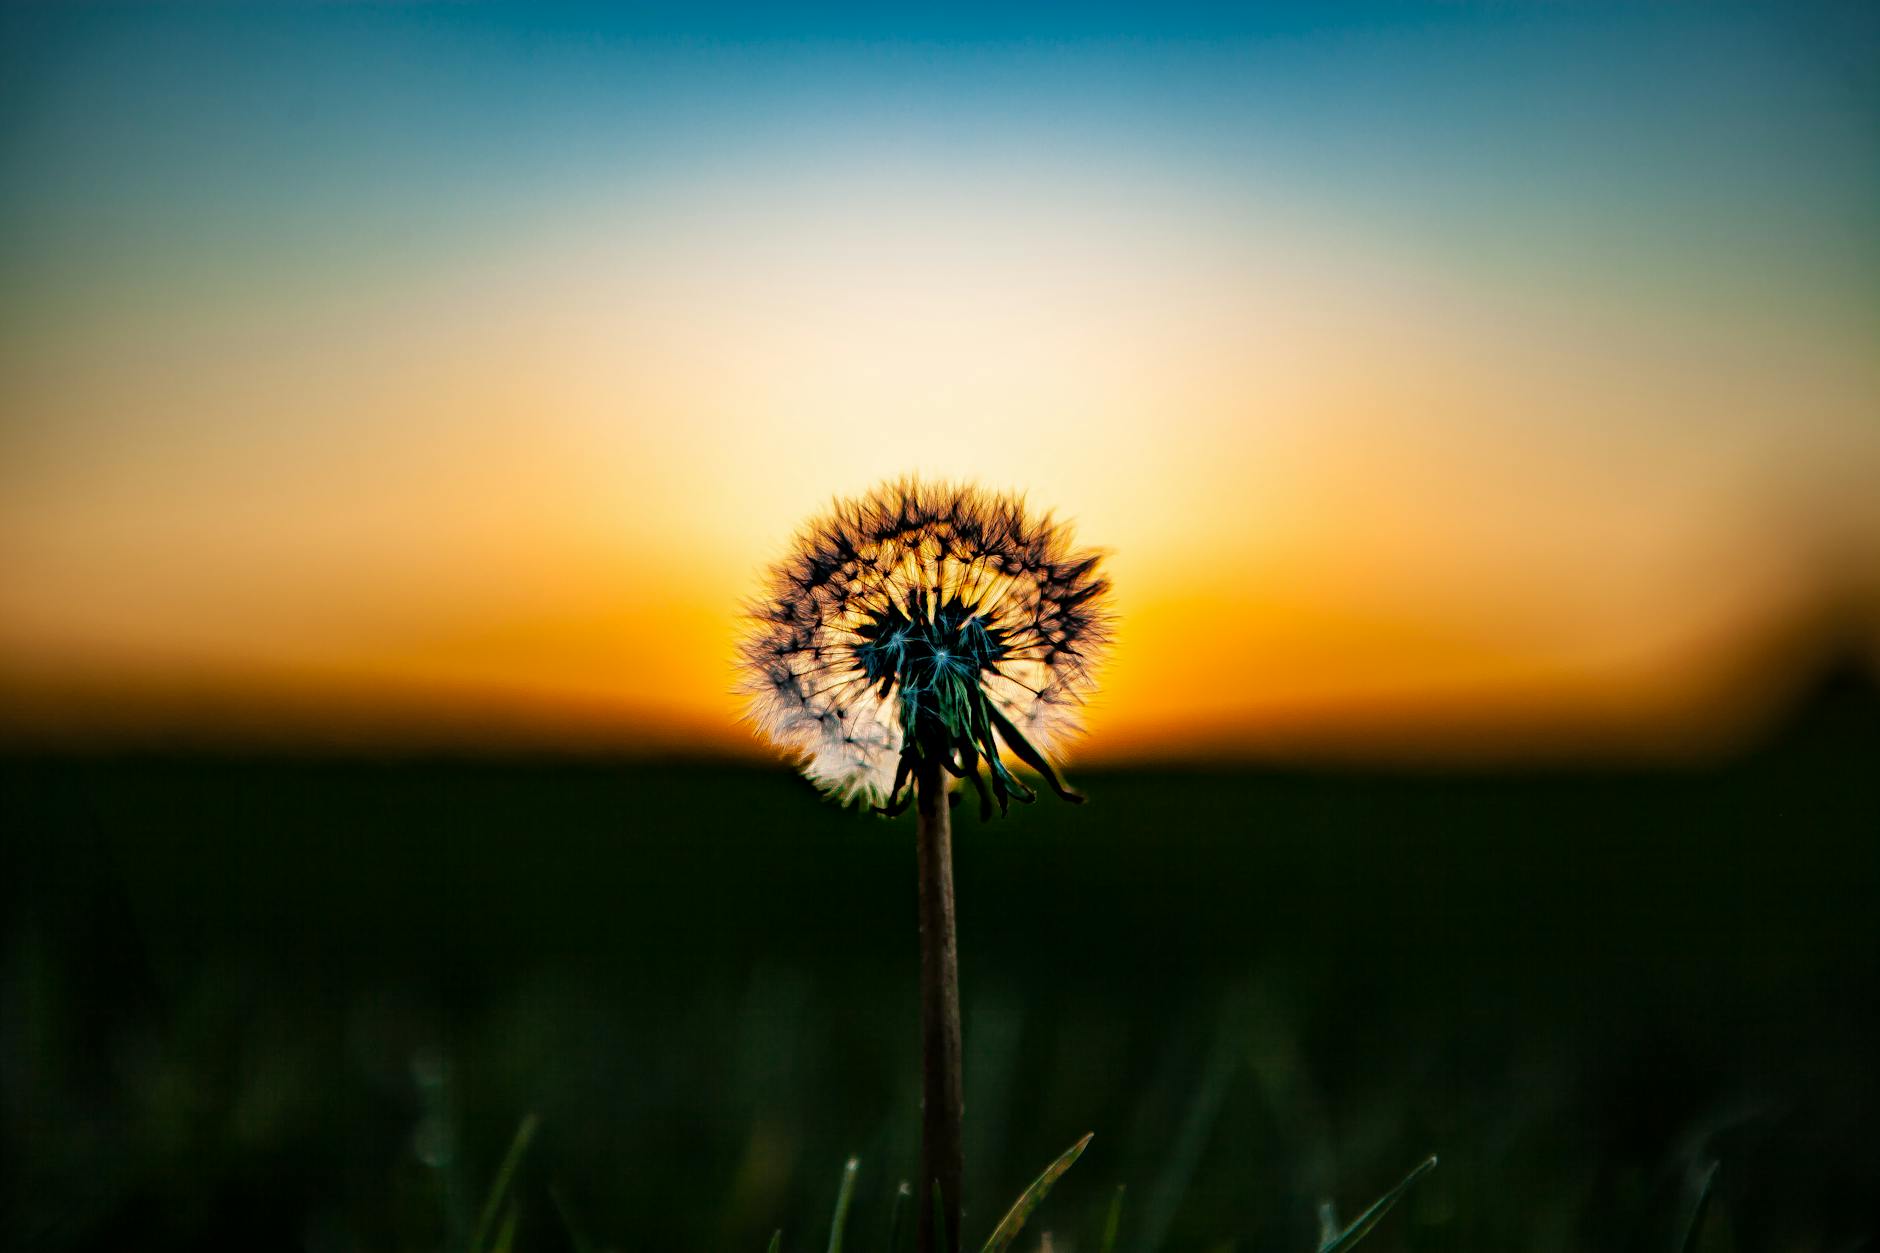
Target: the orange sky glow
pixel 504 479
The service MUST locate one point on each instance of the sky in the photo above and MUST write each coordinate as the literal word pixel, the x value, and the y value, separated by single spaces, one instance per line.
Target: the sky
pixel 1476 379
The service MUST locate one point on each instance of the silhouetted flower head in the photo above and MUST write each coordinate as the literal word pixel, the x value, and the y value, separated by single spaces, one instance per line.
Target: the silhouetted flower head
pixel 925 623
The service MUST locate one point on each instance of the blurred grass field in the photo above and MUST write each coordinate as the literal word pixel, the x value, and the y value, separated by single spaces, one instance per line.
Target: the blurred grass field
pixel 269 1002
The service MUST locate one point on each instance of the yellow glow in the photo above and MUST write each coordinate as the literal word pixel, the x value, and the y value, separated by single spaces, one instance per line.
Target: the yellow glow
pixel 1339 486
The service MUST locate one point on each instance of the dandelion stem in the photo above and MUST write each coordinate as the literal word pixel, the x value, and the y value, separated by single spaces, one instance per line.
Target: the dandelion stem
pixel 942 1105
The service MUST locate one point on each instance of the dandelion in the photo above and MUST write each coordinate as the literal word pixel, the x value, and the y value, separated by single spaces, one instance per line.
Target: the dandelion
pixel 926 625
pixel 920 632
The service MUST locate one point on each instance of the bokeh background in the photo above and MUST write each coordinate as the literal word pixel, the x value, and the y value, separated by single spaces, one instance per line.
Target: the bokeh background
pixel 1480 405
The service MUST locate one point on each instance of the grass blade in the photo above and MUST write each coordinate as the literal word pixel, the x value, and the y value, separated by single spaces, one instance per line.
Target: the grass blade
pixel 1328 1223
pixel 776 1241
pixel 1698 1207
pixel 897 1216
pixel 839 1224
pixel 499 1188
pixel 1112 1222
pixel 1362 1225
pixel 1170 1188
pixel 506 1234
pixel 1008 1227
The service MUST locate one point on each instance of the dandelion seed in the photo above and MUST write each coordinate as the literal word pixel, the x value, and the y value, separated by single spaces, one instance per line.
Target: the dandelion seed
pixel 921 624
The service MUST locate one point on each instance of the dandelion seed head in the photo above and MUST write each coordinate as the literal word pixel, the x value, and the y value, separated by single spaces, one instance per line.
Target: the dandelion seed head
pixel 925 622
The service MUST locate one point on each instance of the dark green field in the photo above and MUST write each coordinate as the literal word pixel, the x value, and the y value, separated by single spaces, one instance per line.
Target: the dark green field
pixel 271 1003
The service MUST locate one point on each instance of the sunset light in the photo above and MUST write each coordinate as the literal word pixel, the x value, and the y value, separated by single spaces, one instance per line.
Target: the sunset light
pixel 363 384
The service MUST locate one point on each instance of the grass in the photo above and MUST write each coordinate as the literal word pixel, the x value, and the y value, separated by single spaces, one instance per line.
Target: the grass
pixel 270 1002
pixel 1015 1218
pixel 500 1200
pixel 496 1225
pixel 1333 1237
pixel 1336 1240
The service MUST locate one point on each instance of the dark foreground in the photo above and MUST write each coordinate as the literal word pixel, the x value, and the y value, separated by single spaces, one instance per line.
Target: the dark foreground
pixel 274 1003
